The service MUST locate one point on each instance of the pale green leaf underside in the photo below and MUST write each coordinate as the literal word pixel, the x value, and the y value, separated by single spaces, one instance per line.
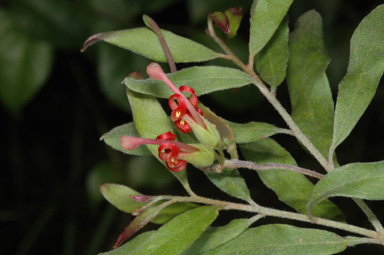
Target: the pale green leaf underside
pixel 252 131
pixel 309 90
pixel 366 66
pixel 271 61
pixel 203 79
pixel 173 237
pixel 112 138
pixel 231 182
pixel 266 16
pixel 146 43
pixel 120 197
pixel 283 239
pixel 292 188
pixel 151 121
pixel 357 180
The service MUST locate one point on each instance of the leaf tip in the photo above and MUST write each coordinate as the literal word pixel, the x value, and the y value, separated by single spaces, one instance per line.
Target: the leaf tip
pixel 92 40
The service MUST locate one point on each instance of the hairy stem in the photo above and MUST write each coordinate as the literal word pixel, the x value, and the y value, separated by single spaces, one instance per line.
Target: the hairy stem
pixel 326 163
pixel 272 99
pixel 234 163
pixel 264 211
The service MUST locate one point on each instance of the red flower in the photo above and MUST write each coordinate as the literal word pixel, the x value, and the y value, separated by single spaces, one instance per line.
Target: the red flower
pixel 184 110
pixel 170 151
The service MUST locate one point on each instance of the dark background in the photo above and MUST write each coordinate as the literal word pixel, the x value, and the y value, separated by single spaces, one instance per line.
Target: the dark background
pixel 51 159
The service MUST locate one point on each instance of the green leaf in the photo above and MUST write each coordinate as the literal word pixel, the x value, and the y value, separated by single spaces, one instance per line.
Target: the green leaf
pixel 366 65
pixel 131 245
pixel 112 138
pixel 214 237
pixel 292 188
pixel 309 90
pixel 203 79
pixel 252 131
pixel 24 65
pixel 146 43
pixel 173 237
pixel 169 212
pixel 140 221
pixel 151 121
pixel 357 180
pixel 231 182
pixel 266 16
pixel 271 61
pixel 235 15
pixel 120 197
pixel 283 239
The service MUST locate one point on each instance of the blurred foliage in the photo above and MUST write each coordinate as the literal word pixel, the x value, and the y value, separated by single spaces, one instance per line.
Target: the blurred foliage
pixel 57 102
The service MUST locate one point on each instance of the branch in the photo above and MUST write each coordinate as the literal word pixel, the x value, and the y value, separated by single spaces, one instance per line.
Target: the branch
pixel 234 163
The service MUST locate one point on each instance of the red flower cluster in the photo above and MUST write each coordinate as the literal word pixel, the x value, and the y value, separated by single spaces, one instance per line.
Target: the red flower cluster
pixel 179 108
pixel 170 151
pixel 184 111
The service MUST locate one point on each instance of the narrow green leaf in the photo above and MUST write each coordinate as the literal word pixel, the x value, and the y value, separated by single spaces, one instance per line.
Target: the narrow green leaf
pixel 309 90
pixel 214 237
pixel 131 245
pixel 173 237
pixel 140 221
pixel 231 182
pixel 283 239
pixel 292 188
pixel 252 131
pixel 357 180
pixel 24 65
pixel 203 79
pixel 271 61
pixel 366 65
pixel 112 138
pixel 151 121
pixel 120 197
pixel 266 16
pixel 145 42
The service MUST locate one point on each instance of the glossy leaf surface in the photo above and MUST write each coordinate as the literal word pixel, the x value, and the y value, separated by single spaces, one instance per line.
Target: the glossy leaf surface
pixel 145 42
pixel 309 90
pixel 203 79
pixel 357 180
pixel 292 188
pixel 366 66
